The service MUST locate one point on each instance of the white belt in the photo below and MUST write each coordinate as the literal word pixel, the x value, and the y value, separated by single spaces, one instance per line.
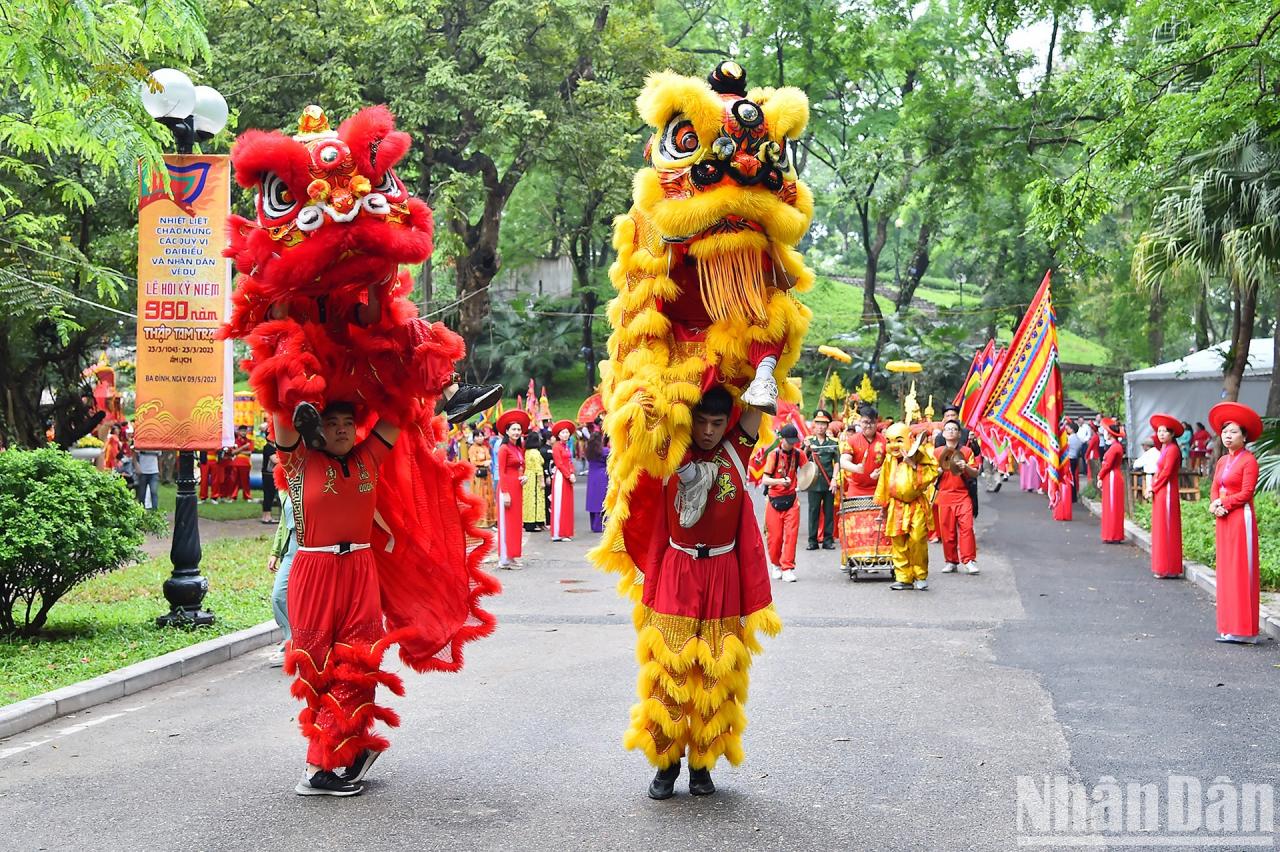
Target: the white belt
pixel 344 547
pixel 701 551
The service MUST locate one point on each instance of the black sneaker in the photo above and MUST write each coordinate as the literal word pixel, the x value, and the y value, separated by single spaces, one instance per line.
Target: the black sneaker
pixel 700 783
pixel 326 783
pixel 663 785
pixel 811 546
pixel 471 399
pixel 828 545
pixel 306 421
pixel 898 587
pixel 359 767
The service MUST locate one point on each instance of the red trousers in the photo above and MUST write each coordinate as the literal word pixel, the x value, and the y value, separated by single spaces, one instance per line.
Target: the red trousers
pixel 335 613
pixel 239 482
pixel 224 475
pixel 782 529
pixel 210 483
pixel 955 525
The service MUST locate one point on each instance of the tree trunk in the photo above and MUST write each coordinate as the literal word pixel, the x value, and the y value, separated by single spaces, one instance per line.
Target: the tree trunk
pixel 1273 396
pixel 1155 326
pixel 1241 337
pixel 1202 318
pixel 915 268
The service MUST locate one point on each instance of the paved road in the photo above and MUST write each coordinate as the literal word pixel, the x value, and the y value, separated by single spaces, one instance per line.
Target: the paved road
pixel 879 720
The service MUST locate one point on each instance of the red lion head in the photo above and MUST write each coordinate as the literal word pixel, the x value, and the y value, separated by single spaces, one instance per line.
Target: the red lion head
pixel 332 215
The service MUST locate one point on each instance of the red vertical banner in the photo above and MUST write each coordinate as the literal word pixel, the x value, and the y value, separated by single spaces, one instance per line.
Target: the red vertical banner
pixel 184 379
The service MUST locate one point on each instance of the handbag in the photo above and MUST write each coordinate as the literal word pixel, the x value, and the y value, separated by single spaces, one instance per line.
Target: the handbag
pixel 482 473
pixel 783 502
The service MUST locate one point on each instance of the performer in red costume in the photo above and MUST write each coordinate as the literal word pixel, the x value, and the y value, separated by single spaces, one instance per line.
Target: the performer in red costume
pixel 562 481
pixel 511 426
pixel 241 462
pixel 322 302
pixel 954 507
pixel 335 614
pixel 1236 529
pixel 706 593
pixel 1111 485
pixel 863 543
pixel 1166 506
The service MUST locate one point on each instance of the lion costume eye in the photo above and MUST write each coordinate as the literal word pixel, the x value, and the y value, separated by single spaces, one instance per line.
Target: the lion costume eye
pixel 275 201
pixel 391 187
pixel 679 140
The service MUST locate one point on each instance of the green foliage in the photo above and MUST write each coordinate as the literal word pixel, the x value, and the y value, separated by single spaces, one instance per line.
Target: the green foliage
pixel 109 621
pixel 1198 534
pixel 62 522
pixel 530 338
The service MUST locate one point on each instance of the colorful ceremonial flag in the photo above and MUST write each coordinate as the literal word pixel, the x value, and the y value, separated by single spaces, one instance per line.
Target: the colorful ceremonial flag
pixel 984 361
pixel 1023 397
pixel 531 402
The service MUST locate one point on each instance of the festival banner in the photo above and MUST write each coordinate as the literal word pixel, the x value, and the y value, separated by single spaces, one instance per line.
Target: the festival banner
pixel 1023 397
pixel 984 361
pixel 184 385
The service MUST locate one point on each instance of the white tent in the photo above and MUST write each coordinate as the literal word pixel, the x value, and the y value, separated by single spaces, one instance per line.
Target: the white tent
pixel 1189 387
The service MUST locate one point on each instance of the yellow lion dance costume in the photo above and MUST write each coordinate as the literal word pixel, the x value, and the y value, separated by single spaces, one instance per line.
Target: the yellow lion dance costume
pixel 705 272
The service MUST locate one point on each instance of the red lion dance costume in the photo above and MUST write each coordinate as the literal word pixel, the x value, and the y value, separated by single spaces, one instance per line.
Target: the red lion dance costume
pixel 334 224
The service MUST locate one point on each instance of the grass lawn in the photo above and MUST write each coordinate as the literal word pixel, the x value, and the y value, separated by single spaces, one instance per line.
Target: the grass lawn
pixel 1197 533
pixel 1072 348
pixel 837 310
pixel 949 298
pixel 236 511
pixel 109 621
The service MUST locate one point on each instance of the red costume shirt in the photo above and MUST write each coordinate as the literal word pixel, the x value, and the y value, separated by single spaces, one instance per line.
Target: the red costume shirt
pixel 861 484
pixel 718 525
pixel 951 486
pixel 334 498
pixel 244 446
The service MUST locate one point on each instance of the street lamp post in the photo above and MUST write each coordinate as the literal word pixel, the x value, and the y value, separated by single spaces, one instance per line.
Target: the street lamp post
pixel 192 113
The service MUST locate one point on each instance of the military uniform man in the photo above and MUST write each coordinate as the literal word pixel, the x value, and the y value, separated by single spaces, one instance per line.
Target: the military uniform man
pixel 823 451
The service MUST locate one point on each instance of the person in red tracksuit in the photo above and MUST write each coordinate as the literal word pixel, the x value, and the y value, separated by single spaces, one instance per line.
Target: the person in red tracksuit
pixel 210 484
pixel 954 508
pixel 782 515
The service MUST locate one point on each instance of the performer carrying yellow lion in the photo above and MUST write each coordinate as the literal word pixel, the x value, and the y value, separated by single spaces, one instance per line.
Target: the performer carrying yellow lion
pixel 705 330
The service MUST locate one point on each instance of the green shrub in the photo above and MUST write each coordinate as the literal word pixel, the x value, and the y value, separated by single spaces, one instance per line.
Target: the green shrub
pixel 62 521
pixel 1198 533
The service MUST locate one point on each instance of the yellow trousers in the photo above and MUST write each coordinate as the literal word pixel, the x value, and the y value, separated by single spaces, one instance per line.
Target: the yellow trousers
pixel 911 554
pixel 693 686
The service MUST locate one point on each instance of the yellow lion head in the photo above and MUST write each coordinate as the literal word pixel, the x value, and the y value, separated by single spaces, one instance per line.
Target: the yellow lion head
pixel 722 170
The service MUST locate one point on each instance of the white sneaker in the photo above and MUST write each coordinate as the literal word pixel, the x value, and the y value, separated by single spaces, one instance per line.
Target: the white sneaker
pixel 691 497
pixel 275 659
pixel 950 568
pixel 762 394
pixel 921 585
pixel 789 576
pixel 775 573
pixel 971 567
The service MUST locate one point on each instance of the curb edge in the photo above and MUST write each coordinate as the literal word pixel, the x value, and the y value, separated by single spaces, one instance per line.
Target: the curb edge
pixel 38 709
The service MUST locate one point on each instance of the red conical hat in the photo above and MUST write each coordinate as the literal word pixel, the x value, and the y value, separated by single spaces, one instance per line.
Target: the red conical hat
pixel 563 424
pixel 1238 413
pixel 515 415
pixel 1173 423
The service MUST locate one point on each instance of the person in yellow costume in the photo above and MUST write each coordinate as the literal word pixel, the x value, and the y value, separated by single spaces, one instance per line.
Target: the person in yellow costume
pixel 706 327
pixel 905 490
